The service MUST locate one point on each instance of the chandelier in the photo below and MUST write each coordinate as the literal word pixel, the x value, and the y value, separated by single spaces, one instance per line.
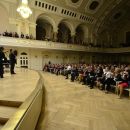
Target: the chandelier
pixel 24 9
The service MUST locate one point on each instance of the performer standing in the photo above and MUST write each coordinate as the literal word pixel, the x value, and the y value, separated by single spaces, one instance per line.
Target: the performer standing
pixel 2 59
pixel 13 60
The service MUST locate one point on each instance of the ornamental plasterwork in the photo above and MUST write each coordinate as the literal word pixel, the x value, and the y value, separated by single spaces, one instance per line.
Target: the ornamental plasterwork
pixel 87 8
pixel 75 4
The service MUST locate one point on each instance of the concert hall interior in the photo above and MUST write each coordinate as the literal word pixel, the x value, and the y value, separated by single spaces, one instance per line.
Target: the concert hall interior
pixel 65 65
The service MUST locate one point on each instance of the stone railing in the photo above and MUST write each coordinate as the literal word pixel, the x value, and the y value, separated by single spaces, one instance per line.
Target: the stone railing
pixel 27 43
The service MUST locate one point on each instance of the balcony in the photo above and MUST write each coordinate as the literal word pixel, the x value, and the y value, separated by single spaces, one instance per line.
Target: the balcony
pixel 48 45
pixel 27 43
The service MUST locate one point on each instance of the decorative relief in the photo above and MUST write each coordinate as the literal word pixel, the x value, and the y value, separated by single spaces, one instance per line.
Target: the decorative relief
pixel 117 15
pixel 52 8
pixel 93 6
pixel 74 3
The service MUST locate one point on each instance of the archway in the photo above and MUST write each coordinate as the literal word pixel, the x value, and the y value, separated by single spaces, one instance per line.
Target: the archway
pixel 81 34
pixel 64 33
pixel 44 30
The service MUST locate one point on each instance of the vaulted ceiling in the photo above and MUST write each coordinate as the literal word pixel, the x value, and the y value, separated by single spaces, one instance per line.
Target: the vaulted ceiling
pixel 106 12
pixel 90 7
pixel 113 18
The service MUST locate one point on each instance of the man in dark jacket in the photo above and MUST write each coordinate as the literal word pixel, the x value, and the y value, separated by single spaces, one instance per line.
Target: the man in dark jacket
pixel 2 59
pixel 12 57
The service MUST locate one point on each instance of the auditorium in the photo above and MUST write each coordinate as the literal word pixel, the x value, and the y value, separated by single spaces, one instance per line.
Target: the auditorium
pixel 65 65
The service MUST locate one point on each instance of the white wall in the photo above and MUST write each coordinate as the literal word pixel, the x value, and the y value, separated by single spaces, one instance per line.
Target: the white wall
pixel 36 59
pixel 4 21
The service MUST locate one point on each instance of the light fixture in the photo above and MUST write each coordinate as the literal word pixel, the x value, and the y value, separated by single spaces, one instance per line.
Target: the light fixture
pixel 24 9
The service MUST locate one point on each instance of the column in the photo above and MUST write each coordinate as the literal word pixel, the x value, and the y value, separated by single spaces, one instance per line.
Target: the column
pixel 55 36
pixel 55 32
pixel 32 30
pixel 72 37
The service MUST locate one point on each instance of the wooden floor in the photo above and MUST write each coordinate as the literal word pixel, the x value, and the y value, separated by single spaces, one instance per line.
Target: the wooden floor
pixel 72 106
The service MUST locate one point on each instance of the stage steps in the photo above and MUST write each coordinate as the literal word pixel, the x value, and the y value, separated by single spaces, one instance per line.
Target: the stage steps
pixel 10 103
pixel 1 126
pixel 7 109
pixel 6 112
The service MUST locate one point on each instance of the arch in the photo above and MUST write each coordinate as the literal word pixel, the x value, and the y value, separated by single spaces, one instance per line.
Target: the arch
pixel 84 28
pixel 64 32
pixel 68 24
pixel 81 33
pixel 45 27
pixel 47 18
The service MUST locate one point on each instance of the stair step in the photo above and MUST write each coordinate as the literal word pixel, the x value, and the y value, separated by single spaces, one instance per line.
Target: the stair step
pixel 1 126
pixel 10 103
pixel 6 112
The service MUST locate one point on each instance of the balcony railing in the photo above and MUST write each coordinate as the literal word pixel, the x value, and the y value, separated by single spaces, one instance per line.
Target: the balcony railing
pixel 27 43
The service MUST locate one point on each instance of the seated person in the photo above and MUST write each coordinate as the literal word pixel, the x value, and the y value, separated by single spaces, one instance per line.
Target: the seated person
pixel 99 83
pixel 123 84
pixel 22 35
pixel 117 78
pixel 27 36
pixel 16 35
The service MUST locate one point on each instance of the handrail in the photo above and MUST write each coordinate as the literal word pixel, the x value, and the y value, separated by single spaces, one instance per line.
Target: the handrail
pixel 49 45
pixel 16 122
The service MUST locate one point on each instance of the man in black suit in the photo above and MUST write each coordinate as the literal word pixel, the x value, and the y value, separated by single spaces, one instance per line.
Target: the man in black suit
pixel 2 59
pixel 13 61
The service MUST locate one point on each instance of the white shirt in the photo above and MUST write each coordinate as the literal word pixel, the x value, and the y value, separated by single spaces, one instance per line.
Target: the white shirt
pixel 68 67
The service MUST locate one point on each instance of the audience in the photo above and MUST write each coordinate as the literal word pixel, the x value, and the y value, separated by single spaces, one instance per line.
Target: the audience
pixel 104 76
pixel 16 35
pixel 78 42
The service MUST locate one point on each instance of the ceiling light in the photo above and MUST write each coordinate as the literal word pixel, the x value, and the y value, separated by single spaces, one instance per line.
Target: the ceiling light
pixel 24 9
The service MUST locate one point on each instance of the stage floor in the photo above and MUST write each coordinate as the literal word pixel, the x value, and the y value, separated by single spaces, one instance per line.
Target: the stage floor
pixel 18 87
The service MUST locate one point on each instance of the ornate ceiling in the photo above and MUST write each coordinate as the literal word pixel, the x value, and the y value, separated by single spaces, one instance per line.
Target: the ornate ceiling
pixel 106 12
pixel 94 8
pixel 114 18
